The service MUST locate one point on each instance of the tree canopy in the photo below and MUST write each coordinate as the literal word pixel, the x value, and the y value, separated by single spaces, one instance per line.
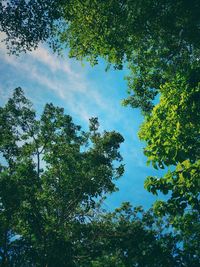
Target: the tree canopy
pixel 52 173
pixel 53 178
pixel 155 39
pixel 27 23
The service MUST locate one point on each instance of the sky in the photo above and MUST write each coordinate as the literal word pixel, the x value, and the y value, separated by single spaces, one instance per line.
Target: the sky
pixel 84 92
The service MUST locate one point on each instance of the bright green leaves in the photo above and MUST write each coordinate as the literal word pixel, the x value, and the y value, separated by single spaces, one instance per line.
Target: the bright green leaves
pixel 172 131
pixel 172 136
pixel 183 184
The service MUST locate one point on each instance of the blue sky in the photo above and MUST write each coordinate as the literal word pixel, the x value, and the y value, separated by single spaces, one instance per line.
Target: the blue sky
pixel 84 92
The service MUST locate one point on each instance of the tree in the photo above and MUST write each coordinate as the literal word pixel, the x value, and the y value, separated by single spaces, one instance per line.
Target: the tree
pixel 172 130
pixel 52 173
pixel 154 39
pixel 158 41
pixel 27 23
pixel 172 136
pixel 131 237
pixel 52 177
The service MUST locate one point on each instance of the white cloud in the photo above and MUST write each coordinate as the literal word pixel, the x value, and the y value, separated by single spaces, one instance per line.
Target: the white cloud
pixel 45 57
pixel 73 87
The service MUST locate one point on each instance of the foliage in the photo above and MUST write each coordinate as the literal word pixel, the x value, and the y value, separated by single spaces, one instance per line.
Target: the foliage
pixel 184 185
pixel 172 130
pixel 153 38
pixel 158 41
pixel 172 134
pixel 51 175
pixel 27 23
pixel 131 237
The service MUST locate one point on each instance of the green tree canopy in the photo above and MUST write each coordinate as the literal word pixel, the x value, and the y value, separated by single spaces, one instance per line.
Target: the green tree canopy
pixel 132 237
pixel 172 135
pixel 51 175
pixel 172 131
pixel 27 23
pixel 158 41
pixel 155 39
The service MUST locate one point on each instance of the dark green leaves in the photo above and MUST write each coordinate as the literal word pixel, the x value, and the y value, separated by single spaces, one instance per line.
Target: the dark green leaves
pixel 51 176
pixel 27 23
